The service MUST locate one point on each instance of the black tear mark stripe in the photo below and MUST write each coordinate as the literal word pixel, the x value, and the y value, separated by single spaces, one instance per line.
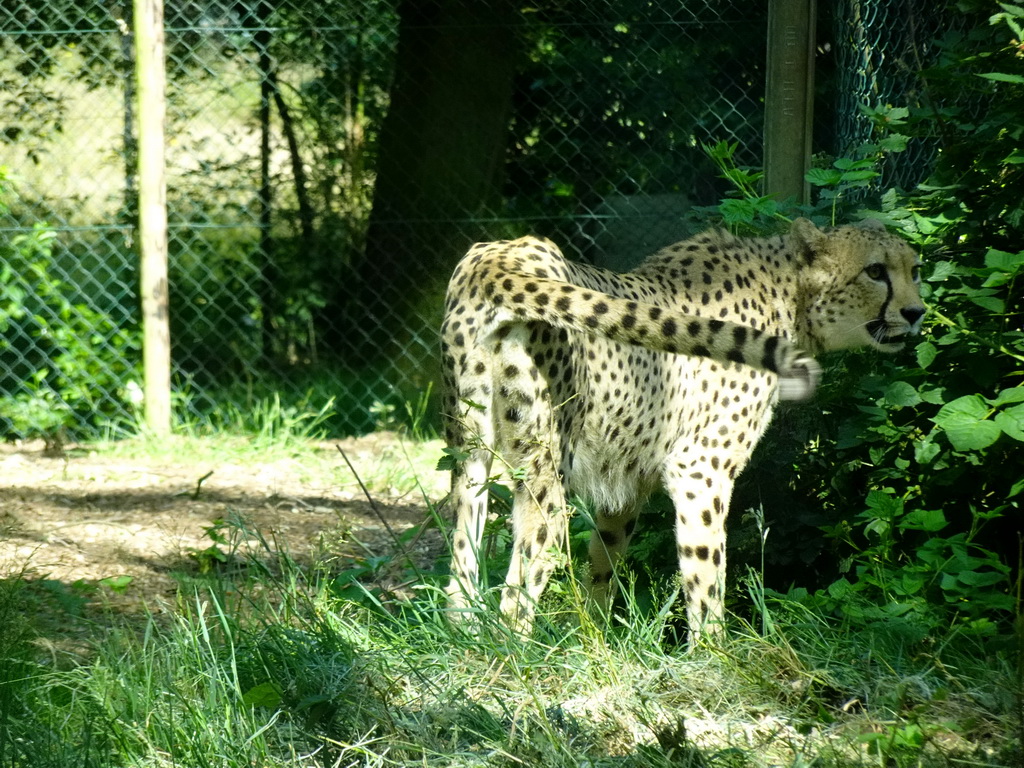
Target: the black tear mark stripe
pixel 880 318
pixel 888 298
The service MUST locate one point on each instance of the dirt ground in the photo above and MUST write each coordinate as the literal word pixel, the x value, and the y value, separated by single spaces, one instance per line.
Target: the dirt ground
pixel 94 530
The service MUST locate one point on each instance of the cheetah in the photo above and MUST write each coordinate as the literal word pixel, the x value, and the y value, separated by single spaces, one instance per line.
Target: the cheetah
pixel 608 385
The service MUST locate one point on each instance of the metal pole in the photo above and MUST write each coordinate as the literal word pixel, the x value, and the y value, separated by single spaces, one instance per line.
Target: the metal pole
pixel 789 98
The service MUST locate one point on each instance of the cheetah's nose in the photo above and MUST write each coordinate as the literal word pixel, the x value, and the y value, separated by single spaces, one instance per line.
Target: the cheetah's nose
pixel 912 314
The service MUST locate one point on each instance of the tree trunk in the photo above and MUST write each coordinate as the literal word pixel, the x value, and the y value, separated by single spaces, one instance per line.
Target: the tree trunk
pixel 307 228
pixel 441 154
pixel 266 260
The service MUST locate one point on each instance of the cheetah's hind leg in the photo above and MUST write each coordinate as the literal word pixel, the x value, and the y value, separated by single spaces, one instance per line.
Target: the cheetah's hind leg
pixel 470 434
pixel 539 536
pixel 525 407
pixel 469 498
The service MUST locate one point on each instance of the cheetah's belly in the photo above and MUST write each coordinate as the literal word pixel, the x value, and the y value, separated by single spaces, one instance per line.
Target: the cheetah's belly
pixel 618 446
pixel 665 406
pixel 601 477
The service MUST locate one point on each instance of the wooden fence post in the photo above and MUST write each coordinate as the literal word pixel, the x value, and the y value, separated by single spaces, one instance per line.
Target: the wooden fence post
pixel 156 337
pixel 789 98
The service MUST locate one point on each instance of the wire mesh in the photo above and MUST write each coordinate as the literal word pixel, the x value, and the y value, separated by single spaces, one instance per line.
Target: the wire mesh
pixel 309 237
pixel 881 47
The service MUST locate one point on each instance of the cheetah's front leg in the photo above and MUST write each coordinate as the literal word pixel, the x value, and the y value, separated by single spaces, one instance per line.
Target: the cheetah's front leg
pixel 701 497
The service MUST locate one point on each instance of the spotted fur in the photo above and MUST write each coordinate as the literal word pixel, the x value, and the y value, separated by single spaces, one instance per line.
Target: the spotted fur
pixel 608 385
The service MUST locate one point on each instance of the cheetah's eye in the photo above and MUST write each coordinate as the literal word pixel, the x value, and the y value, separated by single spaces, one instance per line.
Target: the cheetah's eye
pixel 875 271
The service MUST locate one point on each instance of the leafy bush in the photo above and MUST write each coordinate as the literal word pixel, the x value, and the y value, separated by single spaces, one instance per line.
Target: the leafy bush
pixel 60 357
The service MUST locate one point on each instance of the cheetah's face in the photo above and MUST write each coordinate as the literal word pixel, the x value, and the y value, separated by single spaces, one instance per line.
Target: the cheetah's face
pixel 873 294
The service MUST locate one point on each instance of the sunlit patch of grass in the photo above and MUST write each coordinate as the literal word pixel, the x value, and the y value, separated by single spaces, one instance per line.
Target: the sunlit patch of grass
pixel 388 465
pixel 397 460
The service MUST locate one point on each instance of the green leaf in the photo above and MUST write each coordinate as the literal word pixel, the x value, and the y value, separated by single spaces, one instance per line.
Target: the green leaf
pixel 848 164
pixel 911 583
pixel 900 394
pixel 840 588
pixel 118 584
pixel 980 579
pixel 736 211
pixel 451 459
pixel 262 695
pixel 991 303
pixel 926 450
pixel 1002 77
pixel 897 114
pixel 965 422
pixel 723 150
pixel 1004 261
pixel 895 142
pixel 885 505
pixel 1011 421
pixel 823 177
pixel 924 520
pixel 561 189
pixel 859 175
pixel 1012 395
pixel 926 225
pixel 997 279
pixel 941 271
pixel 926 352
pixel 948 582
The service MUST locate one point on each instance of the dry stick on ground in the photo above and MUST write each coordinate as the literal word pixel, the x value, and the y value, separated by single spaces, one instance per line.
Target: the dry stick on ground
pixel 376 510
pixel 398 543
pixel 199 485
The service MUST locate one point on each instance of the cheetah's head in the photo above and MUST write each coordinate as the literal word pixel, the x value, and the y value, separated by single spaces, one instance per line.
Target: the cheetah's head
pixel 862 287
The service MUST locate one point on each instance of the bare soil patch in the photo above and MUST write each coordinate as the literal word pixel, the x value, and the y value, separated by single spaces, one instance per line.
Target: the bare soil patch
pixel 95 530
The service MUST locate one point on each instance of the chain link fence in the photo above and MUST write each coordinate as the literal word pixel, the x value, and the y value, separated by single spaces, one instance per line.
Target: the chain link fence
pixel 880 48
pixel 328 162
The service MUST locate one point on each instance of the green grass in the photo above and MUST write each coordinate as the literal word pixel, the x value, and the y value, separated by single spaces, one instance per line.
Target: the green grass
pixel 273 665
pixel 309 404
pixel 294 668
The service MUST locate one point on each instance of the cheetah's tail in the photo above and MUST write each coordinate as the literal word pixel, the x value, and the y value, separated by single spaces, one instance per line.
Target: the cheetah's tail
pixel 635 322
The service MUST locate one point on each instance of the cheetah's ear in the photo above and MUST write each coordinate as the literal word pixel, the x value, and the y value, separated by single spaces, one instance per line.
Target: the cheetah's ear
pixel 807 238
